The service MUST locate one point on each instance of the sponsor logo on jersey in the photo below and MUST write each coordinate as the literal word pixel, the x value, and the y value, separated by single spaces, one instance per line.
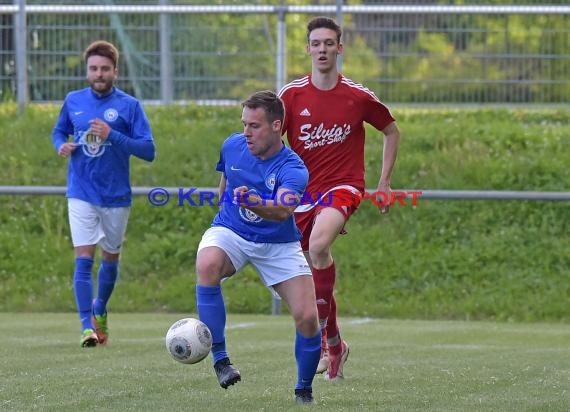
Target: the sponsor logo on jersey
pixel 305 112
pixel 319 136
pixel 248 215
pixel 92 144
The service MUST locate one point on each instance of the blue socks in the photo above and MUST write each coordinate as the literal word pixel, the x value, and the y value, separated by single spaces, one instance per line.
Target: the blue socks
pixel 307 354
pixel 212 311
pixel 106 279
pixel 83 287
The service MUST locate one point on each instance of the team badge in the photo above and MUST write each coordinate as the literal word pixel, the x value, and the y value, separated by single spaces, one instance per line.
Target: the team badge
pixel 110 115
pixel 270 181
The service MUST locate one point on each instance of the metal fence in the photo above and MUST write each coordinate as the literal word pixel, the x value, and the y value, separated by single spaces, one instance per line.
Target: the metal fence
pixel 174 192
pixel 407 52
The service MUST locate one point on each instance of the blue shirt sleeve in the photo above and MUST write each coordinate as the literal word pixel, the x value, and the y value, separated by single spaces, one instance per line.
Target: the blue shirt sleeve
pixel 221 165
pixel 295 178
pixel 141 144
pixel 62 129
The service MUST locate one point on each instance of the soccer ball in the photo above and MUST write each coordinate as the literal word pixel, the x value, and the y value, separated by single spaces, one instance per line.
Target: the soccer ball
pixel 188 340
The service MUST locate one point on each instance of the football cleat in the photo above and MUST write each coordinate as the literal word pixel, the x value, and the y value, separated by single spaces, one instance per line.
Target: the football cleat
pixel 101 328
pixel 226 373
pixel 88 339
pixel 324 360
pixel 304 396
pixel 336 363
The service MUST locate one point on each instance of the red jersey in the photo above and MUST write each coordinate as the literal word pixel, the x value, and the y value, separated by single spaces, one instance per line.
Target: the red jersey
pixel 326 129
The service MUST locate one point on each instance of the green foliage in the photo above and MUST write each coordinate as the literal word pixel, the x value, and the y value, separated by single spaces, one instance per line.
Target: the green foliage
pixel 462 59
pixel 401 57
pixel 454 259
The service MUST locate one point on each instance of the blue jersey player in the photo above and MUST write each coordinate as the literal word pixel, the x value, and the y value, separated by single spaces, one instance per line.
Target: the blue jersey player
pixel 107 126
pixel 261 185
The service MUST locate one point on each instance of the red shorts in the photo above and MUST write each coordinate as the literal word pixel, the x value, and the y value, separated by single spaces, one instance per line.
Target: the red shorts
pixel 336 199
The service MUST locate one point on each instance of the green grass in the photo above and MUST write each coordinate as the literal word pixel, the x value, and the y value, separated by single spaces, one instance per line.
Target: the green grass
pixel 394 366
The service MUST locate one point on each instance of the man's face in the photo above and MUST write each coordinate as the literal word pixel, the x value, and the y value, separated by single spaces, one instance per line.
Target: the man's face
pixel 101 74
pixel 323 49
pixel 262 137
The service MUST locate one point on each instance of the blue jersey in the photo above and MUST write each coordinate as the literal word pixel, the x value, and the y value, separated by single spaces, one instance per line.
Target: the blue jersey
pixel 283 170
pixel 99 170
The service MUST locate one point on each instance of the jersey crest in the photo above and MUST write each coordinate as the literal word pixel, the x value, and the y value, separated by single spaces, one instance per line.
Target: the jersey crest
pixel 111 115
pixel 270 181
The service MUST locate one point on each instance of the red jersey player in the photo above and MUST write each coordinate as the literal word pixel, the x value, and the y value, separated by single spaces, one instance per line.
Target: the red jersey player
pixel 324 122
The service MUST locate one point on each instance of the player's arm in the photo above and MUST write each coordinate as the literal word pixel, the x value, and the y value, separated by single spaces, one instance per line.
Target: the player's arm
pixel 61 132
pixel 222 188
pixel 140 144
pixel 277 209
pixel 222 185
pixel 142 148
pixel 390 152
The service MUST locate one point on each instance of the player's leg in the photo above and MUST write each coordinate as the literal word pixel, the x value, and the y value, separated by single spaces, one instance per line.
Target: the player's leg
pixel 304 221
pixel 327 225
pixel 213 263
pixel 324 358
pixel 114 223
pixel 298 293
pixel 85 234
pixel 284 267
pixel 338 348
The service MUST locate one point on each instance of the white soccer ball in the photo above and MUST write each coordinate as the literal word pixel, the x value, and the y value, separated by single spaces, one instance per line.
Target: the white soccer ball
pixel 188 340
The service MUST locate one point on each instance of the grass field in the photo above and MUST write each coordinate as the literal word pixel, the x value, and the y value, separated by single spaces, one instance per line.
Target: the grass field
pixel 393 366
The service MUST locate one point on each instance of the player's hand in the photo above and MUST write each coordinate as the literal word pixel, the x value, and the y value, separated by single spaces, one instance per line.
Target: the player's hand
pixel 100 128
pixel 384 201
pixel 240 195
pixel 66 149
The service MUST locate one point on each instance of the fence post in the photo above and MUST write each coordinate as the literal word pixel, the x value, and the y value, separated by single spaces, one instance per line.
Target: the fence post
pixel 165 57
pixel 339 20
pixel 281 57
pixel 280 71
pixel 21 58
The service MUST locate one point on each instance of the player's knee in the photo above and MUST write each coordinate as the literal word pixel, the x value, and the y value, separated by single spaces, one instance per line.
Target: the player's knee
pixel 209 271
pixel 307 323
pixel 319 251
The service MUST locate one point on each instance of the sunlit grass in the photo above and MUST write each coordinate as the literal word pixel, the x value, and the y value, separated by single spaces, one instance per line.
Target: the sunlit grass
pixel 393 366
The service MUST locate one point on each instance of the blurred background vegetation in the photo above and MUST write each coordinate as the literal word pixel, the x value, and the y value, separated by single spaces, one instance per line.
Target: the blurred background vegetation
pixel 404 57
pixel 444 259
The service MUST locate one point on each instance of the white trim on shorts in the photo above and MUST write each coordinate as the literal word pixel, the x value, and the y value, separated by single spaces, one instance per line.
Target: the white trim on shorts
pixel 274 262
pixel 92 225
pixel 308 206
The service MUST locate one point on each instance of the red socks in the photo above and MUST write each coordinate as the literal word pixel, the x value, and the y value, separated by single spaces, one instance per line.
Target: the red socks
pixel 324 280
pixel 332 325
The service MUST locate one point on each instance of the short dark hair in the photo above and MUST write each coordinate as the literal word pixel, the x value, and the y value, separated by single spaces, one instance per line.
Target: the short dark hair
pixel 324 23
pixel 102 48
pixel 269 102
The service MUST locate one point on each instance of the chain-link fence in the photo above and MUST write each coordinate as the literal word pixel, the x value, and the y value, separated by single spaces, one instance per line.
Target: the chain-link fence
pixel 406 51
